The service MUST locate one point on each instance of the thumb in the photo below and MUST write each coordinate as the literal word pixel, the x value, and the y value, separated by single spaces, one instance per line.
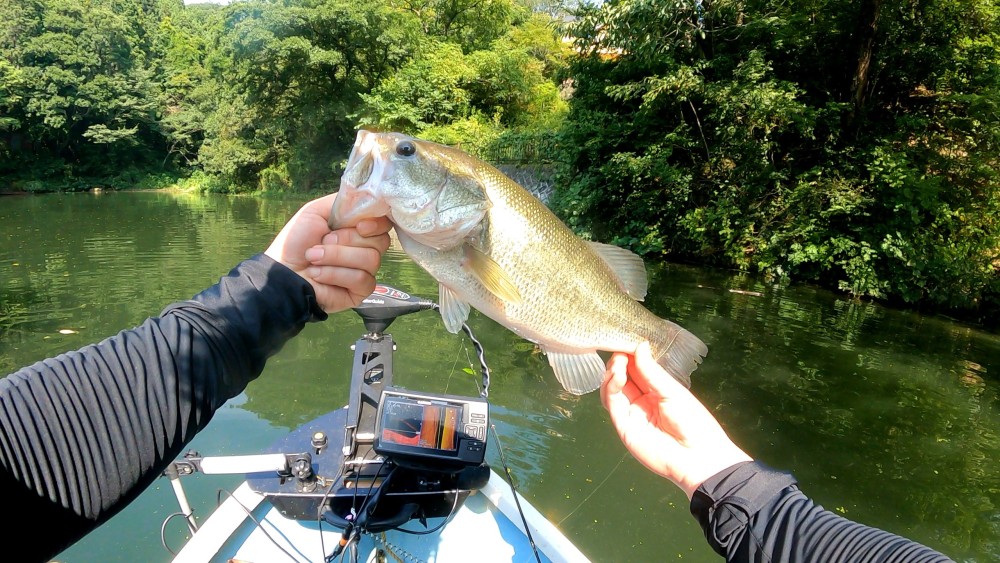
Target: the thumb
pixel 650 374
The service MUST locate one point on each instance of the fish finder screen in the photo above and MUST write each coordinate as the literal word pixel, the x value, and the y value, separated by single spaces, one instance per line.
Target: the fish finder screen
pixel 422 424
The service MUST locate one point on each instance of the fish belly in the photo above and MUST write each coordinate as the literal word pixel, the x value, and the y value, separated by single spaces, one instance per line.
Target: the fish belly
pixel 571 303
pixel 568 311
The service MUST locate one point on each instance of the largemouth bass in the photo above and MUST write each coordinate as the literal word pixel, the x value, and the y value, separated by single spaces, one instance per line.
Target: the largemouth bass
pixel 494 246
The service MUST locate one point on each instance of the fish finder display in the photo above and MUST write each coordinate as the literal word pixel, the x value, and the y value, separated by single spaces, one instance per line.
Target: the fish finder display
pixel 431 428
pixel 421 424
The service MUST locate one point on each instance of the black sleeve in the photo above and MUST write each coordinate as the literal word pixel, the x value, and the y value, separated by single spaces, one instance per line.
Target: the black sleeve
pixel 750 512
pixel 84 433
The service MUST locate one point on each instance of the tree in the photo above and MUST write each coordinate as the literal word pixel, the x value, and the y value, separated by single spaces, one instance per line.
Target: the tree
pixel 746 134
pixel 88 98
pixel 429 89
pixel 295 73
pixel 509 83
pixel 473 24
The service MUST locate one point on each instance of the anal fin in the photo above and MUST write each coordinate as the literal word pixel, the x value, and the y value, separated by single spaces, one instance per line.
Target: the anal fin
pixel 577 373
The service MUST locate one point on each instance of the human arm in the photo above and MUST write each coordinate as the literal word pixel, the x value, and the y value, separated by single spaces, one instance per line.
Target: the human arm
pixel 84 433
pixel 748 511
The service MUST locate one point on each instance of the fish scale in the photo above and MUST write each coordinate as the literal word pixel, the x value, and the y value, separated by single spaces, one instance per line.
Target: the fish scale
pixel 494 246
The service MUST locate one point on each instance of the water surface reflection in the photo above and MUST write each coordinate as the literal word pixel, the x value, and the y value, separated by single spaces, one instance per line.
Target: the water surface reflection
pixel 887 417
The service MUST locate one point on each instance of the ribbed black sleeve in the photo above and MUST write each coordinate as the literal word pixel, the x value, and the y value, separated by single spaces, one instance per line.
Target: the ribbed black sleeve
pixel 751 512
pixel 82 434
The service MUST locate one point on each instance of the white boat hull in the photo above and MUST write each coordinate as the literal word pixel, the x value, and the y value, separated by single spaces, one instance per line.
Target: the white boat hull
pixel 486 528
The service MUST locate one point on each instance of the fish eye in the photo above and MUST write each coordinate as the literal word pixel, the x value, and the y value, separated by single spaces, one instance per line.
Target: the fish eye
pixel 406 148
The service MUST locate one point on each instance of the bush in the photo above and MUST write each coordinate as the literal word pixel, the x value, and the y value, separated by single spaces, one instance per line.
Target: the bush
pixel 275 179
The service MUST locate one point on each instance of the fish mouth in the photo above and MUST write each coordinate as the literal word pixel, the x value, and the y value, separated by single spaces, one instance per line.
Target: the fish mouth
pixel 357 198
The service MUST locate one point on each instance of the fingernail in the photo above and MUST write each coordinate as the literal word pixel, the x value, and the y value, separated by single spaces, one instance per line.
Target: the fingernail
pixel 315 253
pixel 366 227
pixel 313 271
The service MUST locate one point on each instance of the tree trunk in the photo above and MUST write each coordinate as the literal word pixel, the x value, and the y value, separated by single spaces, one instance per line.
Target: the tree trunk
pixel 867 29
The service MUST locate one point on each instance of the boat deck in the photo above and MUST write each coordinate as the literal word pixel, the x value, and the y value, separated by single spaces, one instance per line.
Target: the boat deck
pixel 486 528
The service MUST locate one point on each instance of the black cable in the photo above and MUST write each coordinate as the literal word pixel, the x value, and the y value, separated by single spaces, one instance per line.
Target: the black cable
pixel 368 510
pixel 454 510
pixel 163 531
pixel 357 524
pixel 322 503
pixel 480 353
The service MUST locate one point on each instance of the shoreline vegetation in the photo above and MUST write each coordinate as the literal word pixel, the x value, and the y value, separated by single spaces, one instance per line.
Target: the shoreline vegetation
pixel 850 145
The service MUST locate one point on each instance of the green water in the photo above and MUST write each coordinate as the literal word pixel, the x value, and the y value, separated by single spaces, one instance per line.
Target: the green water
pixel 888 417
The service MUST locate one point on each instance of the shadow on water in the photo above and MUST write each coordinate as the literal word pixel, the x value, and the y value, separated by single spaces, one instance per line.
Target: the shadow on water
pixel 887 417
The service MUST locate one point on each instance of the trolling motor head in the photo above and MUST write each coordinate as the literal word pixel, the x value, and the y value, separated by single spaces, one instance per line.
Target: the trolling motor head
pixel 379 309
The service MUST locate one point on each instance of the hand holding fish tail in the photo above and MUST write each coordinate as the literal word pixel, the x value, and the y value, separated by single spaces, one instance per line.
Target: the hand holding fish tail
pixel 339 264
pixel 662 424
pixel 678 351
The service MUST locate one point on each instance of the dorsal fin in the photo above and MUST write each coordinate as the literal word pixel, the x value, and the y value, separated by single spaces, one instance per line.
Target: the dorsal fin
pixel 627 266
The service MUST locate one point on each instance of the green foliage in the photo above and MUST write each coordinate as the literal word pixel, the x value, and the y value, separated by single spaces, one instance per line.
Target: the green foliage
pixel 472 24
pixel 428 89
pixel 473 135
pixel 275 179
pixel 853 144
pixel 77 87
pixel 778 139
pixel 263 94
pixel 189 89
pixel 510 81
pixel 11 92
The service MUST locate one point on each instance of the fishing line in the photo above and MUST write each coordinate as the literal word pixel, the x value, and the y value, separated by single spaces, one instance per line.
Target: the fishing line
pixel 454 365
pixel 601 484
pixel 484 392
pixel 513 489
pixel 260 526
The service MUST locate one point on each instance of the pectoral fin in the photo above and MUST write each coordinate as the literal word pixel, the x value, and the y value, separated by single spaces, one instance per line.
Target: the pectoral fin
pixel 491 275
pixel 578 373
pixel 454 310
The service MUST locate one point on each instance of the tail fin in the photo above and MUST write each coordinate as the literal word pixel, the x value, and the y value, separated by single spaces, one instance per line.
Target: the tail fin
pixel 679 352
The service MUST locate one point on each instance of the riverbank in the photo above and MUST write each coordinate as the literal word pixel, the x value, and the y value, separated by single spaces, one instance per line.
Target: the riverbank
pixel 981 312
pixel 196 182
